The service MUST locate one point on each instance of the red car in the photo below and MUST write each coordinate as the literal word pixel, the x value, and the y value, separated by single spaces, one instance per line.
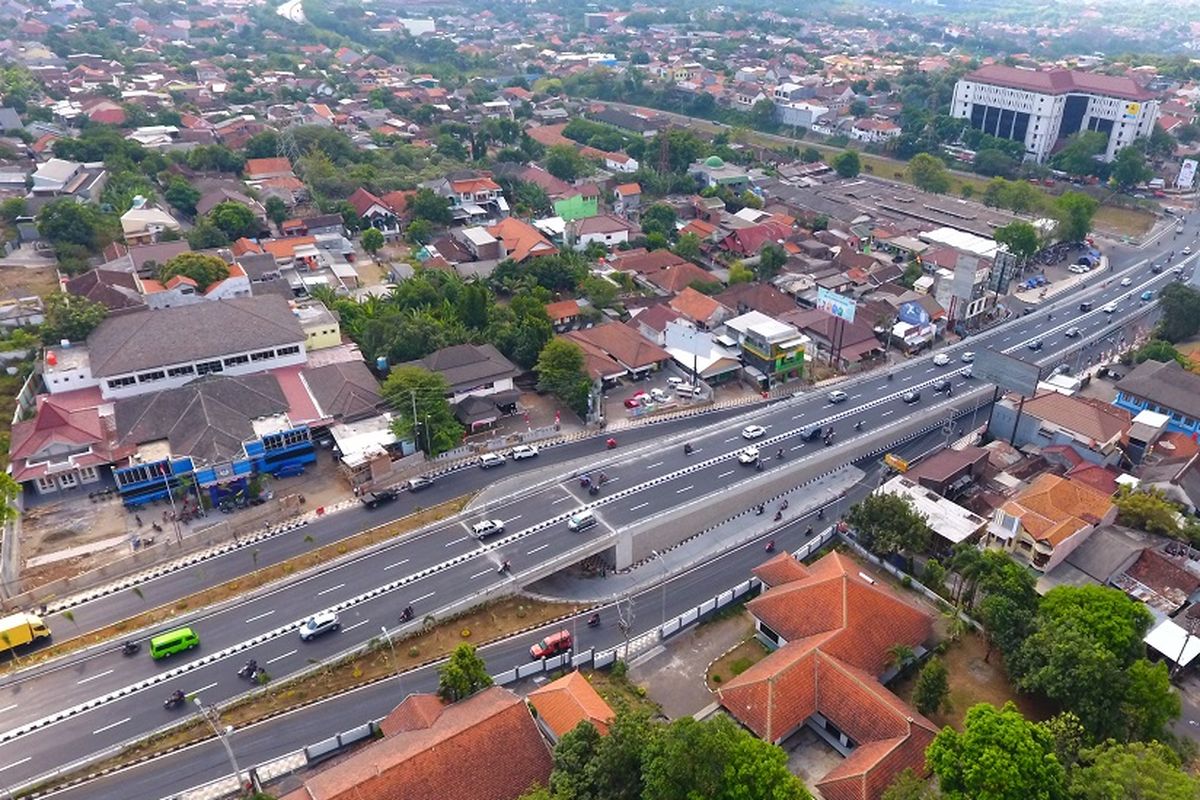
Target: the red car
pixel 639 399
pixel 552 645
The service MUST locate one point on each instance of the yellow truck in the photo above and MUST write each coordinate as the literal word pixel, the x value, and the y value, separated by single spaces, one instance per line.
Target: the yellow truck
pixel 21 629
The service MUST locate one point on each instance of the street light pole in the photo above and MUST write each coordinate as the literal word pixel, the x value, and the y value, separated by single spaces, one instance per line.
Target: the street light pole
pixel 661 558
pixel 395 660
pixel 212 717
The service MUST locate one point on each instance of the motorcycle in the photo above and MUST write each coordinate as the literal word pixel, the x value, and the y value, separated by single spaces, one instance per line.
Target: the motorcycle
pixel 505 567
pixel 759 510
pixel 611 443
pixel 828 439
pixel 778 516
pixel 779 454
pixel 130 648
pixel 808 531
pixel 248 670
pixel 174 700
pixel 890 376
pixel 687 449
pixel 820 513
pixel 584 481
pixel 783 506
pixel 771 546
pixel 858 425
pixel 594 621
pixel 407 614
pixel 594 489
pixel 758 466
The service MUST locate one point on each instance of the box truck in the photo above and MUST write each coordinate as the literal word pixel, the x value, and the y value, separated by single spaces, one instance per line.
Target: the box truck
pixel 21 629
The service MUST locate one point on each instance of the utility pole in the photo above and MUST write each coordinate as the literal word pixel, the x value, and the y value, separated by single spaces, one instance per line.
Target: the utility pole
pixel 388 637
pixel 213 718
pixel 625 621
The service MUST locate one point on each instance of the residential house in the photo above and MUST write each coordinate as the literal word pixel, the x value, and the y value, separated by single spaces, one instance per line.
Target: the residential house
pixel 755 296
pixel 773 352
pixel 639 124
pixel 320 325
pixel 474 198
pixel 1049 519
pixel 61 447
pixel 480 379
pixel 578 202
pixel 873 130
pixel 834 340
pixel 627 199
pixel 705 312
pixel 677 276
pixel 951 523
pixel 750 240
pixel 261 169
pixel 613 350
pixel 386 216
pixel 144 224
pixel 651 322
pixel 145 260
pixel 1067 429
pixel 521 240
pixel 1166 388
pixel 563 314
pixel 117 290
pixel 831 627
pixel 345 391
pixel 706 356
pixel 621 162
pixel 604 229
pixel 564 703
pixel 211 198
pixel 949 472
pixel 488 745
pixel 61 178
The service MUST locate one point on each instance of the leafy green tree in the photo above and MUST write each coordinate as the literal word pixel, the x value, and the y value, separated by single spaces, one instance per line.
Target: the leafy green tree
pixel 929 173
pixel 421 409
pixel 888 523
pixel 659 218
pixel 473 305
pixel 204 269
pixel 908 785
pixel 1009 605
pixel 847 164
pixel 688 246
pixel 1074 211
pixel 1150 703
pixel 182 195
pixel 762 115
pixel 372 240
pixel 276 209
pixel 463 674
pixel 601 292
pixel 1020 238
pixel 810 155
pixel 68 222
pixel 233 219
pixel 1159 350
pixel 994 162
pixel 932 692
pixel 564 162
pixel 1180 307
pixel 123 186
pixel 215 158
pixel 1135 771
pixel 1148 510
pixel 770 261
pixel 1078 156
pixel 70 317
pixel 1129 168
pixel 593 767
pixel 999 755
pixel 428 205
pixel 560 370
pixel 740 273
pixel 205 235
pixel 13 207
pixel 420 231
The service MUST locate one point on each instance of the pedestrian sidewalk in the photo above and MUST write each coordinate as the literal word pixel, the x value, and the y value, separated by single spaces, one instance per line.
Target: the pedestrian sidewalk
pixel 744 526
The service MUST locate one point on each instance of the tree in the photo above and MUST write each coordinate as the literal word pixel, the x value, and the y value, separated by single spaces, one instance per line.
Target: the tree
pixel 762 114
pixel 994 162
pixel 810 155
pixel 560 370
pixel 770 260
pixel 998 756
pixel 929 173
pixel 276 209
pixel 1148 510
pixel 659 218
pixel 182 195
pixel 1009 604
pixel 13 207
pixel 233 219
pixel 1180 307
pixel 428 205
pixel 372 240
pixel 420 231
pixel 68 222
pixel 204 269
pixel 688 246
pixel 1150 704
pixel 69 317
pixel 1020 238
pixel 1074 211
pixel 1129 168
pixel 1159 350
pixel 847 164
pixel 9 491
pixel 263 145
pixel 1135 771
pixel 908 785
pixel 888 524
pixel 933 687
pixel 564 162
pixel 1078 155
pixel 740 273
pixel 205 235
pixel 463 674
pixel 592 767
pixel 422 411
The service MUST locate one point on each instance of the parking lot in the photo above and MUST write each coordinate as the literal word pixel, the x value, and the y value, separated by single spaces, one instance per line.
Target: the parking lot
pixel 663 391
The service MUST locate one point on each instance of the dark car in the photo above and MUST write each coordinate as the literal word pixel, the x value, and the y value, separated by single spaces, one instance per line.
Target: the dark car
pixel 811 435
pixel 1035 345
pixel 375 499
pixel 942 386
pixel 912 397
pixel 1071 332
pixel 1086 305
pixel 1156 269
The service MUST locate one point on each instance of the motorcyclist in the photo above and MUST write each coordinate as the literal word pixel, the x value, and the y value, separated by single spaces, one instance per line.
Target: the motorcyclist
pixel 779 453
pixel 407 614
pixel 176 697
pixel 505 566
pixel 687 448
pixel 771 546
pixel 783 505
pixel 594 620
pixel 858 425
pixel 778 515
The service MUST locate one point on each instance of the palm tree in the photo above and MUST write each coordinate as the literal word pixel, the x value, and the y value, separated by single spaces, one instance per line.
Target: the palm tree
pixel 968 565
pixel 901 655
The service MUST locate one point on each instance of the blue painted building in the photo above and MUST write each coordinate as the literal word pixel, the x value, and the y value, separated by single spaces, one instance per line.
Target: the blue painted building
pixel 1164 387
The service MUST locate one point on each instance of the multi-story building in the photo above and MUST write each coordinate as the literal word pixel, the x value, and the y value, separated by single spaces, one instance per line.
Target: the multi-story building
pixel 473 198
pixel 772 351
pixel 1040 108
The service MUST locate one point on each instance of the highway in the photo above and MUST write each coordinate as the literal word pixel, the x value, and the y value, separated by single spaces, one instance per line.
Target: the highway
pixel 445 563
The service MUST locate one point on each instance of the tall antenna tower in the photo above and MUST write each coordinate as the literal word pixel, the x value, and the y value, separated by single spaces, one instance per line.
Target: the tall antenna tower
pixel 287 146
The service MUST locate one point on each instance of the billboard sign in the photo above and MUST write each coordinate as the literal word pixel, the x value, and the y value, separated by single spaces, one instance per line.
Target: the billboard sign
pixel 833 303
pixel 1009 373
pixel 1187 174
pixel 913 313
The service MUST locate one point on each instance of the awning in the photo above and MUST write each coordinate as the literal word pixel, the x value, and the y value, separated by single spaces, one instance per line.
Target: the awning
pixel 1173 642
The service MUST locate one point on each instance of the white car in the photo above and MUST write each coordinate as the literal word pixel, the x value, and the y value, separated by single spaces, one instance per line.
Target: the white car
pixel 837 396
pixel 688 389
pixel 489 527
pixel 1126 281
pixel 753 431
pixel 1111 308
pixel 659 396
pixel 748 455
pixel 968 357
pixel 1187 251
pixel 673 381
pixel 941 360
pixel 317 624
pixel 489 460
pixel 523 451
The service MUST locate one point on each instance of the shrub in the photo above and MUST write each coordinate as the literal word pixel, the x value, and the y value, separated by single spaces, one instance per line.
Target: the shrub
pixel 906 582
pixel 619 668
pixel 414 651
pixel 716 678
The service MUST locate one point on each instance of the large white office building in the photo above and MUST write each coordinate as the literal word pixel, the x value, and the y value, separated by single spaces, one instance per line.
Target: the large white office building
pixel 1040 108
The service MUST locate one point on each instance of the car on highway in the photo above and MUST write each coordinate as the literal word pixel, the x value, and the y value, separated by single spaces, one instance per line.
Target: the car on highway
pixel 1156 268
pixel 1126 281
pixel 968 357
pixel 1110 308
pixel 1035 345
pixel 489 460
pixel 1187 251
pixel 967 373
pixel 1086 305
pixel 581 520
pixel 552 645
pixel 912 397
pixel 418 483
pixel 1147 295
pixel 488 527
pixel 943 385
pixel 318 624
pixel 748 455
pixel 941 360
pixel 753 431
pixel 837 396
pixel 524 451
pixel 811 434
pixel 376 499
pixel 1071 332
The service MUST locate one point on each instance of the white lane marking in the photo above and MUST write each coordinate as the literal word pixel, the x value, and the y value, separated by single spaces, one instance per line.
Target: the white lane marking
pixel 281 657
pixel 349 628
pixel 931 369
pixel 16 763
pixel 539 548
pixel 398 563
pixel 204 688
pixel 725 474
pixel 260 616
pixel 907 378
pixel 456 541
pixel 855 396
pixel 797 446
pixel 732 439
pixel 885 413
pixel 422 597
pixel 330 589
pixel 639 505
pixel 655 464
pixel 513 519
pixel 560 500
pixel 798 416
pixel 480 574
pixel 94 677
pixel 8 708
pixel 687 488
pixel 110 727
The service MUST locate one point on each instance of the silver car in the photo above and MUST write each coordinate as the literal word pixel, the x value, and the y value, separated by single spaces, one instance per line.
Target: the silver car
pixel 318 624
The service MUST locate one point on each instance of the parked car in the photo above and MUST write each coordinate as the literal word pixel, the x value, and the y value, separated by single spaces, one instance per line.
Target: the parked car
pixel 523 451
pixel 289 471
pixel 837 396
pixel 318 624
pixel 673 381
pixel 376 499
pixel 912 397
pixel 552 645
pixel 489 460
pixel 418 483
pixel 967 372
pixel 753 431
pixel 487 527
pixel 688 389
pixel 1062 369
pixel 659 396
pixel 941 360
pixel 632 402
pixel 748 455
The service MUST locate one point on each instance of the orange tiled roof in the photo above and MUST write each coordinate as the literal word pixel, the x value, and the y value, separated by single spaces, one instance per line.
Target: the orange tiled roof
pixel 1093 419
pixel 783 568
pixel 622 343
pixel 694 305
pixel 243 246
pixel 678 277
pixel 568 701
pixel 286 248
pixel 472 185
pixel 627 189
pixel 521 240
pixel 1053 508
pixel 267 166
pixel 562 309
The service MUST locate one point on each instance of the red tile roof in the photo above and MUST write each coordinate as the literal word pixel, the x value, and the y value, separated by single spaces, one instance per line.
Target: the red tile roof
pixel 267 166
pixel 678 277
pixel 568 701
pixel 486 747
pixel 1059 81
pixel 58 425
pixel 521 240
pixel 623 344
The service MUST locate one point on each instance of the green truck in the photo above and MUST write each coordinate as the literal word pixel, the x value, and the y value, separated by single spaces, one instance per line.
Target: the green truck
pixel 21 629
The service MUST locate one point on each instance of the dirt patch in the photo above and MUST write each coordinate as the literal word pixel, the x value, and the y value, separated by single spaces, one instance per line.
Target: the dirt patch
pixel 246 583
pixel 617 690
pixel 1123 221
pixel 38 279
pixel 70 522
pixel 973 681
pixel 735 662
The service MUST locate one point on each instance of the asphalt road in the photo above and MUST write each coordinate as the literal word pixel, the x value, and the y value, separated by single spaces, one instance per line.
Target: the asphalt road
pixel 446 563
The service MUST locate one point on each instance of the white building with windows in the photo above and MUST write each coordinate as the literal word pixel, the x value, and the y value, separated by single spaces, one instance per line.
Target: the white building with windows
pixel 1040 108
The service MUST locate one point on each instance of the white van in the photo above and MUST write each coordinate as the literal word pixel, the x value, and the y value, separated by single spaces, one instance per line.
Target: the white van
pixel 581 520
